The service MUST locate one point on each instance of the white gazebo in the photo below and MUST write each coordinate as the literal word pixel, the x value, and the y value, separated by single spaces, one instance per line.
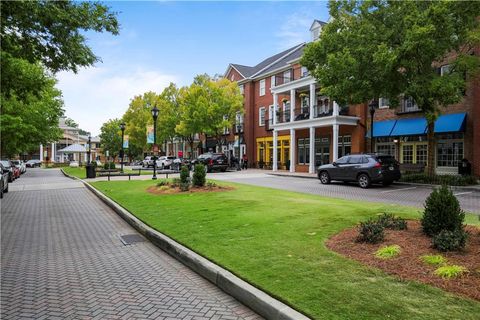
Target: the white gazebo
pixel 74 149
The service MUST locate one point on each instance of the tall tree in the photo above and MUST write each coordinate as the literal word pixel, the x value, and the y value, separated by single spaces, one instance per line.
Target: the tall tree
pixel 28 117
pixel 373 49
pixel 50 31
pixel 110 137
pixel 169 105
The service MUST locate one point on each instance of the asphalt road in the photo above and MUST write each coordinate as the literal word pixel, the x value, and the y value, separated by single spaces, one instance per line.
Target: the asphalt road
pixel 395 194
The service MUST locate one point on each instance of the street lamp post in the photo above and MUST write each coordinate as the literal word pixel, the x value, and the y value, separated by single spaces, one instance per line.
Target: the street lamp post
pixel 89 148
pixel 122 127
pixel 372 107
pixel 155 116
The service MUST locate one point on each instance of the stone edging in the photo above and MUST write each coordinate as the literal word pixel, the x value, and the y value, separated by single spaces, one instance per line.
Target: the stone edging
pixel 257 300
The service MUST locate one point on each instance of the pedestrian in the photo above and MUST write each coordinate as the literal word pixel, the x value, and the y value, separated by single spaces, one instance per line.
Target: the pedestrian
pixel 245 161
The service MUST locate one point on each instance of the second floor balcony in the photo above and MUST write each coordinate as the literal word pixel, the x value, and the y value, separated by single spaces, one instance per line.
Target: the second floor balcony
pixel 303 113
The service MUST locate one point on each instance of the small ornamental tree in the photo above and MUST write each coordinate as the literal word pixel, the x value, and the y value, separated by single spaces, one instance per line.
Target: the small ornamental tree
pixel 185 175
pixel 199 174
pixel 442 212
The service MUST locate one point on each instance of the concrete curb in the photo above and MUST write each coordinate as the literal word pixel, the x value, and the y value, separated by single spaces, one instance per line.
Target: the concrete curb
pixel 461 188
pixel 257 300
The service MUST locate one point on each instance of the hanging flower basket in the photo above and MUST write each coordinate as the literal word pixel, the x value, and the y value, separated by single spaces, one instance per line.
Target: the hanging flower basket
pixel 284 100
pixel 303 95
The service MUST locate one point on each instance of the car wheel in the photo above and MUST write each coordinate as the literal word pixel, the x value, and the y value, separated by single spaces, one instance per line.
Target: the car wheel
pixel 324 177
pixel 363 180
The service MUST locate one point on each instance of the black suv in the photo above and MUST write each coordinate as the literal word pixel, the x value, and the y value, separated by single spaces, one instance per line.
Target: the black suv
pixel 364 168
pixel 212 161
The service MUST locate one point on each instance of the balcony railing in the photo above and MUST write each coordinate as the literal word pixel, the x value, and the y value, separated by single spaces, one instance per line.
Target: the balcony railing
pixel 303 113
pixel 238 128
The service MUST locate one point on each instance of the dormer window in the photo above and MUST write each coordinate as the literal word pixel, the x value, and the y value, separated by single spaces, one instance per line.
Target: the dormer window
pixel 316 29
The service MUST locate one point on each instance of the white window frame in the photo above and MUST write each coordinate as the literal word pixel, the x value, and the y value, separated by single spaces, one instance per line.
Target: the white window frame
pixel 304 72
pixel 445 69
pixel 272 81
pixel 383 103
pixel 261 122
pixel 286 78
pixel 270 115
pixel 241 87
pixel 262 87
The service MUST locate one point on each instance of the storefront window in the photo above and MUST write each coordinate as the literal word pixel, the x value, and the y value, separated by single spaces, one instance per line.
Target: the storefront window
pixel 422 153
pixel 407 153
pixel 386 148
pixel 449 153
pixel 301 151
pixel 344 145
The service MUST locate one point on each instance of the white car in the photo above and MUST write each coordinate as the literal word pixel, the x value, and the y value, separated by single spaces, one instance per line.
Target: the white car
pixel 20 165
pixel 164 162
pixel 147 162
pixel 74 164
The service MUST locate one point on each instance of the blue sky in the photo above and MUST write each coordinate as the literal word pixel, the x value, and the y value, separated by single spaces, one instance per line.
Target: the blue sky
pixel 162 42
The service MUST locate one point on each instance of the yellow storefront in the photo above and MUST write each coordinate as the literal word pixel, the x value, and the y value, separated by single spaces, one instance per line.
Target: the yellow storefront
pixel 265 152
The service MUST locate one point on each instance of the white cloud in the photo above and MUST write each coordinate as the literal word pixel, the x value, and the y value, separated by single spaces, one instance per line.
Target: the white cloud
pixel 294 28
pixel 97 94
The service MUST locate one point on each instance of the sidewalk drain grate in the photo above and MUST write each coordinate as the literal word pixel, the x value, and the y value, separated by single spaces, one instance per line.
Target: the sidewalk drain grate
pixel 131 238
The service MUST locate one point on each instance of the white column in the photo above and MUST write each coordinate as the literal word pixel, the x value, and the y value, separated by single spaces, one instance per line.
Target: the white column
pixel 275 154
pixel 53 152
pixel 275 108
pixel 336 108
pixel 312 99
pixel 41 152
pixel 311 168
pixel 85 157
pixel 335 142
pixel 292 105
pixel 292 150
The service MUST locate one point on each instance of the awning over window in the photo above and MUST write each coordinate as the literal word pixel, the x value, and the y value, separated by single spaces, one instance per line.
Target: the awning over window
pixel 409 127
pixel 382 128
pixel 450 123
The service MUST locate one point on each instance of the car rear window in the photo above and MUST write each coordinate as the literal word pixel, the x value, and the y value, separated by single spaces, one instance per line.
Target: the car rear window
pixel 5 163
pixel 386 159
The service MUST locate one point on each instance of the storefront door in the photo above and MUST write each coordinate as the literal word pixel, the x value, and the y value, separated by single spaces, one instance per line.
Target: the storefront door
pixel 322 151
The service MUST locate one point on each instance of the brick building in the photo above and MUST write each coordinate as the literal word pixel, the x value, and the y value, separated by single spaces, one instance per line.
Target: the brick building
pixel 308 129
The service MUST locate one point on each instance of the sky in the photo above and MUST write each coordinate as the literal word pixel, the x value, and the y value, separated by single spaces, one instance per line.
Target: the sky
pixel 162 42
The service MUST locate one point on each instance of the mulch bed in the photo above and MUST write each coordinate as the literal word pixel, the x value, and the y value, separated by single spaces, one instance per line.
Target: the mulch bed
pixel 408 265
pixel 175 190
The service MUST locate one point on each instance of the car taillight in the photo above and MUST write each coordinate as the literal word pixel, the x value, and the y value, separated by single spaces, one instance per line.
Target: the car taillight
pixel 210 162
pixel 377 165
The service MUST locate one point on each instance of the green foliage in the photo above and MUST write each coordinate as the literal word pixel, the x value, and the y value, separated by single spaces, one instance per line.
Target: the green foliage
pixel 211 184
pixel 176 182
pixel 450 272
pixel 450 180
pixel 370 231
pixel 112 166
pixel 388 252
pixel 185 175
pixel 52 32
pixel 111 137
pixel 390 221
pixel 199 173
pixel 442 212
pixel 184 186
pixel 434 260
pixel 106 165
pixel 447 240
pixel 162 183
pixel 30 106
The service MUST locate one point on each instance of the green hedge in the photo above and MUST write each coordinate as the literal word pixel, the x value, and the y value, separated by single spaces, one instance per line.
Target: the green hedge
pixel 450 180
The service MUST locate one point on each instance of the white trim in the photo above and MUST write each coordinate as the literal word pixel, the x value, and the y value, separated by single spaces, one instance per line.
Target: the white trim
pixel 295 84
pixel 231 66
pixel 260 116
pixel 318 122
pixel 264 82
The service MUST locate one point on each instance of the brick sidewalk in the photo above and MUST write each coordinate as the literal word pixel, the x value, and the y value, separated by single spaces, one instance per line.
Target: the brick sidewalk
pixel 62 258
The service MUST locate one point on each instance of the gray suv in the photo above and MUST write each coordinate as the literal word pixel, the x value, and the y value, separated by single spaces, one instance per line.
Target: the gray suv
pixel 363 168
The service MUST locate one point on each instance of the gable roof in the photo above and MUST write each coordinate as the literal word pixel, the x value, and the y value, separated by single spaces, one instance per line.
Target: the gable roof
pixel 284 61
pixel 321 23
pixel 266 64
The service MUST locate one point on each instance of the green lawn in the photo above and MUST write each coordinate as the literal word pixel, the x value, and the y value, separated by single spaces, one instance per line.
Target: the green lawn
pixel 81 172
pixel 275 240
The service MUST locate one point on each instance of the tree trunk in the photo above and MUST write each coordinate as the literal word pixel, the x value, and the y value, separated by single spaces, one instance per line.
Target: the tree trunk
pixel 431 147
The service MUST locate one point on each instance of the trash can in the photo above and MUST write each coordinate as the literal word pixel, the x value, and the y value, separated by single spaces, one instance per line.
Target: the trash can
pixel 90 171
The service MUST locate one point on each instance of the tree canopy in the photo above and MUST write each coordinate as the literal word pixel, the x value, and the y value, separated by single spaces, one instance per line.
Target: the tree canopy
pixel 373 49
pixel 110 137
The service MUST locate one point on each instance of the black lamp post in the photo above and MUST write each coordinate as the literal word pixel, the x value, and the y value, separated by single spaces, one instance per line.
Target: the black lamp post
pixel 122 127
pixel 155 116
pixel 89 148
pixel 372 107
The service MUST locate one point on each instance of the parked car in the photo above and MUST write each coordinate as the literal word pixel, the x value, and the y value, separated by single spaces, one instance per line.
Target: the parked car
pixel 212 161
pixel 147 162
pixel 165 162
pixel 8 166
pixel 20 165
pixel 33 163
pixel 178 163
pixel 363 168
pixel 3 180
pixel 16 171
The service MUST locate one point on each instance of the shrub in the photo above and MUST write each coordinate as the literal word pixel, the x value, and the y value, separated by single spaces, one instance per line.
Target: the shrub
pixel 199 174
pixel 442 212
pixel 388 252
pixel 451 180
pixel 211 184
pixel 389 221
pixel 161 183
pixel 449 272
pixel 447 240
pixel 175 183
pixel 434 260
pixel 112 166
pixel 106 166
pixel 184 186
pixel 184 175
pixel 370 231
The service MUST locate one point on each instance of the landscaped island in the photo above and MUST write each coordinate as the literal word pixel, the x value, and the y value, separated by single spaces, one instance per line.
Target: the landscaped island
pixel 276 240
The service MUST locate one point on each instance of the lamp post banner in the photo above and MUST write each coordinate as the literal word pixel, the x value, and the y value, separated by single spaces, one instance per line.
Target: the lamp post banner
pixel 150 134
pixel 125 142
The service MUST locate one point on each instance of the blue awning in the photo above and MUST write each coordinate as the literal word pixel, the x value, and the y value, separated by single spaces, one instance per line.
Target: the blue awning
pixel 409 127
pixel 382 128
pixel 450 123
